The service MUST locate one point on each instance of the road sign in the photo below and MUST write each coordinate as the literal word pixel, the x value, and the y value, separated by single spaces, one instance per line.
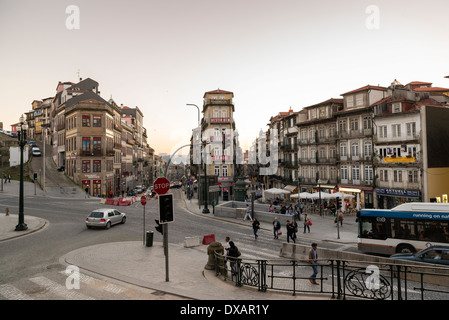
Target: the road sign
pixel 161 185
pixel 143 200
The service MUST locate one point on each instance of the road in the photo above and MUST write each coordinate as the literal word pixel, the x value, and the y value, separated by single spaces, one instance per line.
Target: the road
pixel 31 263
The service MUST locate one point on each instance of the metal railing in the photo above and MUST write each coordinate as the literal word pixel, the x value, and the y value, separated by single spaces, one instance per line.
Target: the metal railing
pixel 339 279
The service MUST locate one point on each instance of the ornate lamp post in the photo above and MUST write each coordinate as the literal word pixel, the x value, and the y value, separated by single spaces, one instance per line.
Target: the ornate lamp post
pixel 21 135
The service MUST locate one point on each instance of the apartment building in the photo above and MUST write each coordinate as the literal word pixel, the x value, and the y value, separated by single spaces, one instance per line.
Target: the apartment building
pixel 219 134
pixel 317 141
pixel 91 141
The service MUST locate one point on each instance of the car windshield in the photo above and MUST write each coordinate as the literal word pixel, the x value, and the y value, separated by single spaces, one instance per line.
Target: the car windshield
pixel 96 214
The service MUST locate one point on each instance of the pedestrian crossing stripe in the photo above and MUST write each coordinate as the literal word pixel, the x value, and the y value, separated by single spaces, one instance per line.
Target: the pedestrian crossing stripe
pixel 60 290
pixel 10 292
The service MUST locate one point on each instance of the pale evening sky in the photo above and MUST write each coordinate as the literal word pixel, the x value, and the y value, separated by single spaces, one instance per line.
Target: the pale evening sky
pixel 161 55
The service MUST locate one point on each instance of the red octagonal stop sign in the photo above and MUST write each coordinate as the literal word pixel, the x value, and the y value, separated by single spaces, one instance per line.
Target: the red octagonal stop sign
pixel 143 200
pixel 161 185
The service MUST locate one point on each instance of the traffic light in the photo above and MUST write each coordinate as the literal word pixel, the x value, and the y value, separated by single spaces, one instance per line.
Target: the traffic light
pixel 159 227
pixel 338 203
pixel 165 208
pixel 35 176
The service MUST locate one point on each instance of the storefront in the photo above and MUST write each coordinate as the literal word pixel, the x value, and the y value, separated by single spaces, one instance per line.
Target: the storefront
pixel 390 198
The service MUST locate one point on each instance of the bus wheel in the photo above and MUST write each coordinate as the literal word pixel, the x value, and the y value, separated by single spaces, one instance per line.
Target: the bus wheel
pixel 405 248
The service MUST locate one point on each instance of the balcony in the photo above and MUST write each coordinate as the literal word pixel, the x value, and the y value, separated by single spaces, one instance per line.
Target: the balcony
pixel 220 120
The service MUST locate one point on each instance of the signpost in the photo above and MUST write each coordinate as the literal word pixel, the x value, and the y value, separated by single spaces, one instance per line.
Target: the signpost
pixel 161 186
pixel 143 202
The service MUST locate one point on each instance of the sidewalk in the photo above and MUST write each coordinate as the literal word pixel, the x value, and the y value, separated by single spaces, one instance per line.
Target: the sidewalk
pixel 137 264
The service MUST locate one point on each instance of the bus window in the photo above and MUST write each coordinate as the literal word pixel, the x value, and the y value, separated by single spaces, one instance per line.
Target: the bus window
pixel 433 231
pixel 403 229
pixel 373 228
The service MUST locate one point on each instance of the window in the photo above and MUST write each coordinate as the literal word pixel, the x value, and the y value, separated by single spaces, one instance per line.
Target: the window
pixel 397 175
pixel 97 121
pixel 382 131
pixel 343 149
pixel 359 100
pixel 413 176
pixel 86 121
pixel 217 170
pixel 396 128
pixel 225 171
pixel 411 129
pixel 367 149
pixel 86 144
pixel 383 175
pixel 368 173
pixel 355 149
pixel 344 172
pixel 97 145
pixel 354 124
pixel 396 107
pixel 350 101
pixel 332 131
pixel 333 153
pixel 86 166
pixel 342 126
pixel 355 173
pixel 96 166
pixel 367 122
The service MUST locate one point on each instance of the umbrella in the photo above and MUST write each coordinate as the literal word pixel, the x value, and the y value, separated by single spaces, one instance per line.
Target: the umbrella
pixel 302 195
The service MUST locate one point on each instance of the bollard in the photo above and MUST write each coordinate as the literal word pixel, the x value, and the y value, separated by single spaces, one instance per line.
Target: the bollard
pixel 7 211
pixel 149 239
pixel 211 249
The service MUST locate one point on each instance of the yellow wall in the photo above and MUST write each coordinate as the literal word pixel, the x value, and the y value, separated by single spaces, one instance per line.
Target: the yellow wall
pixel 438 182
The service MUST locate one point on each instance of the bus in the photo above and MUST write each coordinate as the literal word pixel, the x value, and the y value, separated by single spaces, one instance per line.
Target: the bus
pixel 409 227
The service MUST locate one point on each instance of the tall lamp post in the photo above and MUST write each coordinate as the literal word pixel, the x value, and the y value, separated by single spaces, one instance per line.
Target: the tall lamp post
pixel 21 135
pixel 199 165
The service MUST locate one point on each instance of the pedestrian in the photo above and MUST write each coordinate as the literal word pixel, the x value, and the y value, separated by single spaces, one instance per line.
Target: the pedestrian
pixel 87 192
pixel 307 223
pixel 256 227
pixel 295 228
pixel 313 259
pixel 227 246
pixel 290 231
pixel 248 213
pixel 9 178
pixel 233 254
pixel 340 217
pixel 276 228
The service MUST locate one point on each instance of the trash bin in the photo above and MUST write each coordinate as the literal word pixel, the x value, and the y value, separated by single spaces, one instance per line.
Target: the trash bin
pixel 149 239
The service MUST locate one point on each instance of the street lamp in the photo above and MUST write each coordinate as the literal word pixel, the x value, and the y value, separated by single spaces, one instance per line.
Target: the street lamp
pixel 199 165
pixel 21 135
pixel 206 192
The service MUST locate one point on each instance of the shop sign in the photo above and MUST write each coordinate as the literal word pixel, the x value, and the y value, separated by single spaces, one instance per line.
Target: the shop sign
pixel 397 193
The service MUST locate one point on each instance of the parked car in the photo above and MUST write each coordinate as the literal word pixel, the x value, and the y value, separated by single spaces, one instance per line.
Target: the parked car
pixel 36 152
pixel 139 189
pixel 431 254
pixel 61 168
pixel 105 218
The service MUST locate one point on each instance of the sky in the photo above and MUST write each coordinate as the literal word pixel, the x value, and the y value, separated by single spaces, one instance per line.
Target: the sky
pixel 160 55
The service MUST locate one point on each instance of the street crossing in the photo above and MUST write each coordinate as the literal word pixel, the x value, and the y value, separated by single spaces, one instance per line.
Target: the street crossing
pixel 52 286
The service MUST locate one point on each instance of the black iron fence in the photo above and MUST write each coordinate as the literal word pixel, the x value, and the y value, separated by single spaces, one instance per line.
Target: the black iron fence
pixel 338 279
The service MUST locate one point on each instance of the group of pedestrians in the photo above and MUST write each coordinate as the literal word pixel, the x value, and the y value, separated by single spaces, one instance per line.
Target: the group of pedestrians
pixel 232 253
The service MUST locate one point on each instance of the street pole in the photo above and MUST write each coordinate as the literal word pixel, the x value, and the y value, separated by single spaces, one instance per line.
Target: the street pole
pixel 22 141
pixel 165 231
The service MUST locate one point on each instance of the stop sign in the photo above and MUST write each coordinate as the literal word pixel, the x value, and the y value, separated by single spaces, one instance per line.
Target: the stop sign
pixel 143 200
pixel 161 185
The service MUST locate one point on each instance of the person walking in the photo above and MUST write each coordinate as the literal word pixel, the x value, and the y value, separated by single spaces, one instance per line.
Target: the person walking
pixel 295 228
pixel 313 259
pixel 290 231
pixel 340 217
pixel 276 228
pixel 256 227
pixel 233 254
pixel 307 223
pixel 248 213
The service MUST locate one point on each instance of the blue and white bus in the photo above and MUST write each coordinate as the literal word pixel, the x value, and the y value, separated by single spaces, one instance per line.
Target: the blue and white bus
pixel 409 227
